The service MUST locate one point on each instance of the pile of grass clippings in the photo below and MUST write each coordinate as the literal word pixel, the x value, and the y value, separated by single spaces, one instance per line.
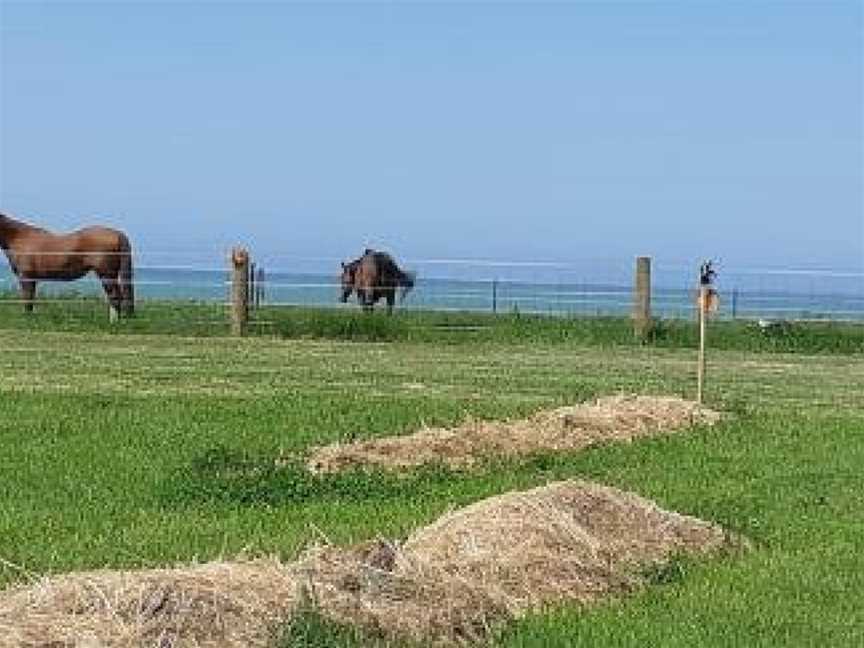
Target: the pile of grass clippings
pixel 452 582
pixel 476 568
pixel 615 418
pixel 224 604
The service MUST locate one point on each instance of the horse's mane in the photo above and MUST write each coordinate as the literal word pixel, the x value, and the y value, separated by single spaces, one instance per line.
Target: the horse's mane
pixel 10 223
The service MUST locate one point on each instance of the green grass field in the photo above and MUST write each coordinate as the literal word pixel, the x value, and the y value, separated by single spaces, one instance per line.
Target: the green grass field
pixel 112 442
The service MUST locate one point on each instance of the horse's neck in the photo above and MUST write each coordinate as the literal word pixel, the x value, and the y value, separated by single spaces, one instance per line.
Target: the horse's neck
pixel 9 228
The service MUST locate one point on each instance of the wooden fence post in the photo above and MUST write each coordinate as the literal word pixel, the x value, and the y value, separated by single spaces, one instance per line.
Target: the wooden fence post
pixel 239 291
pixel 642 298
pixel 494 295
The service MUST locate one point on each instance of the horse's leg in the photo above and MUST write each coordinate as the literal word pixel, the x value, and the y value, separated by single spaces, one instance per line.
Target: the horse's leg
pixel 126 283
pixel 115 297
pixel 391 299
pixel 28 293
pixel 376 295
pixel 364 298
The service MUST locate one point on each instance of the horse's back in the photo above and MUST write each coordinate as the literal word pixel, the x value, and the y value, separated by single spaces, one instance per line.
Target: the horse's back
pixel 83 243
pixel 40 254
pixel 379 269
pixel 87 239
pixel 100 238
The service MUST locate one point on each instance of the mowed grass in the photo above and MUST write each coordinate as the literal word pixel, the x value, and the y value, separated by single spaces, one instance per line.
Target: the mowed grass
pixel 127 449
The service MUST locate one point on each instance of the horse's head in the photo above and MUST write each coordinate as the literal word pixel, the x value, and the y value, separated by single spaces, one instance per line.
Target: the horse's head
pixel 348 272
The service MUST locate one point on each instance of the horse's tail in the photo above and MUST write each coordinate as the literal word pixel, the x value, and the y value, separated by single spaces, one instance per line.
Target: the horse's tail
pixel 127 285
pixel 406 282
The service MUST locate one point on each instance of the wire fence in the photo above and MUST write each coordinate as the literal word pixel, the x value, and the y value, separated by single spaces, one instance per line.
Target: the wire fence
pixel 601 287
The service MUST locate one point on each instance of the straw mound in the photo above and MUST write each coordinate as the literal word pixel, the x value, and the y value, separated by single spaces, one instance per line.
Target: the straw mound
pixel 225 604
pixel 615 418
pixel 406 600
pixel 477 567
pixel 449 583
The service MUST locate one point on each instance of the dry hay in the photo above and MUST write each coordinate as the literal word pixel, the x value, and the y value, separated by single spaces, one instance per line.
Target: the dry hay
pixel 500 558
pixel 224 604
pixel 449 583
pixel 615 418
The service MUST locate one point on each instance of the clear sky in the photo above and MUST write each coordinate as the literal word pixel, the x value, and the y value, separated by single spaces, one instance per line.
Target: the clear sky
pixel 504 131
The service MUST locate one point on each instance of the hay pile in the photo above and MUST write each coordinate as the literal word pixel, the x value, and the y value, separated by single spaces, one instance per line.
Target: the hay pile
pixel 451 582
pixel 478 567
pixel 616 418
pixel 225 604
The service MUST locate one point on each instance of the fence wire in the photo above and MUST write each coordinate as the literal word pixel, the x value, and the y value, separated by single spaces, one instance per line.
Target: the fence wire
pixel 586 288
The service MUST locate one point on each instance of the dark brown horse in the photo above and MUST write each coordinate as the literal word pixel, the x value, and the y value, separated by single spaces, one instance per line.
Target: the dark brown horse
pixel 374 276
pixel 36 254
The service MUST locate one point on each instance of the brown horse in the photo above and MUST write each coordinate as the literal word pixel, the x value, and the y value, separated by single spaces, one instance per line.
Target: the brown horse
pixel 36 254
pixel 374 276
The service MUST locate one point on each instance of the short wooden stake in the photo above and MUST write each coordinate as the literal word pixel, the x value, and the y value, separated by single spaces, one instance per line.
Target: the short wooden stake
pixel 239 291
pixel 703 316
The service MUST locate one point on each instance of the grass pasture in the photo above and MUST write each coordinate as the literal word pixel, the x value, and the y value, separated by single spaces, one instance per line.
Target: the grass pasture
pixel 147 446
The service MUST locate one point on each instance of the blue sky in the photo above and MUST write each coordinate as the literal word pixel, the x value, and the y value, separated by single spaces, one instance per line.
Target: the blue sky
pixel 558 132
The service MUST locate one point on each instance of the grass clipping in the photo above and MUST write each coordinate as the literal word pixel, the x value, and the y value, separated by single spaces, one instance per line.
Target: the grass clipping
pixel 614 418
pixel 476 568
pixel 452 582
pixel 225 604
